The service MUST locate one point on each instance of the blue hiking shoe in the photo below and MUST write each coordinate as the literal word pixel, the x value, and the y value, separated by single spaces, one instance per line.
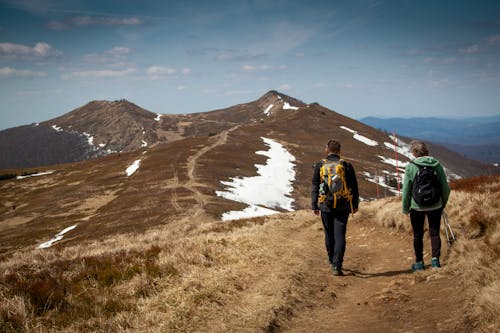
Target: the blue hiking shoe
pixel 418 266
pixel 435 262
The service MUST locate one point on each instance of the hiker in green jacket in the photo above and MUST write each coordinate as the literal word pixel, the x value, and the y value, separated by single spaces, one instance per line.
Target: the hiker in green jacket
pixel 425 193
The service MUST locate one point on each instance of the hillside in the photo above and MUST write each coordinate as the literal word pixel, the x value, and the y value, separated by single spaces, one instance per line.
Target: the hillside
pixel 199 175
pixel 265 274
pixel 101 128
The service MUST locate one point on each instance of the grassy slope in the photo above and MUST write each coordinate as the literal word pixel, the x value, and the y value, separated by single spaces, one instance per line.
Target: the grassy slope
pixel 240 276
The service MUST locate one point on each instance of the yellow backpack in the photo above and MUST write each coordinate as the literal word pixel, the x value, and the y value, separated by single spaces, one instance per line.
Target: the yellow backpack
pixel 333 183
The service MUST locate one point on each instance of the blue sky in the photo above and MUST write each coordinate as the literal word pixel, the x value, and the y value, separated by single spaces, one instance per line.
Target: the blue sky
pixel 359 58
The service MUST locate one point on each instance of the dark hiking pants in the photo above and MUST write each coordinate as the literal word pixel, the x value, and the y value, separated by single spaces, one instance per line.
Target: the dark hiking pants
pixel 335 225
pixel 417 222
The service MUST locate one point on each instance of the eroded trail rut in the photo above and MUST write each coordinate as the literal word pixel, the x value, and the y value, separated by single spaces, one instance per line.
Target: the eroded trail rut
pixel 378 292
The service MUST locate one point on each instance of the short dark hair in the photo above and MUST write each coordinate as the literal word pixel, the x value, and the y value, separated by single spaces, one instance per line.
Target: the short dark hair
pixel 333 146
pixel 419 148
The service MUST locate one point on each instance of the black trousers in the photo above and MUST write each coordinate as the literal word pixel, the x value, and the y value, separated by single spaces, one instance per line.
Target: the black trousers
pixel 417 219
pixel 335 226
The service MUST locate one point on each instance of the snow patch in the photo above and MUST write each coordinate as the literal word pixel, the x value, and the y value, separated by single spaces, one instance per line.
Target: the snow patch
pixel 380 180
pixel 57 128
pixel 266 111
pixel 361 138
pixel 287 106
pixel 36 174
pixel 158 117
pixel 144 144
pixel 271 188
pixel 249 212
pixel 90 138
pixel 133 168
pixel 400 164
pixel 402 147
pixel 102 145
pixel 56 238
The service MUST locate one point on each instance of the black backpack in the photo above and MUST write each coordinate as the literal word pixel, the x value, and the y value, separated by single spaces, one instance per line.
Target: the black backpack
pixel 426 190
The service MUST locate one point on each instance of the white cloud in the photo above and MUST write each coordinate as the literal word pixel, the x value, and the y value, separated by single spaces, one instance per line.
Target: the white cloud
pixel 119 50
pixel 181 87
pixel 250 68
pixel 494 40
pixel 104 73
pixel 284 87
pixel 82 21
pixel 471 49
pixel 238 92
pixel 13 51
pixel 440 83
pixel 13 72
pixel 347 86
pixel 156 72
pixel 116 56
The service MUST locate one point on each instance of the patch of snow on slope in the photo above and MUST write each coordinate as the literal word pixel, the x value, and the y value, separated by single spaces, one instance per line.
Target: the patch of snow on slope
pixel 287 106
pixel 402 147
pixel 57 128
pixel 360 138
pixel 89 138
pixel 400 164
pixel 380 180
pixel 144 144
pixel 56 238
pixel 271 188
pixel 158 116
pixel 36 174
pixel 266 111
pixel 249 212
pixel 133 168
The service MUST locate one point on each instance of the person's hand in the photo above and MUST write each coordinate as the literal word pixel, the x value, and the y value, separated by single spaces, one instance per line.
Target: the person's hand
pixel 316 212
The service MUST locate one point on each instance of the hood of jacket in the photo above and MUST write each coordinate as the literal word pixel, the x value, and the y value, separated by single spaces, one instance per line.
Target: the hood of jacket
pixel 426 161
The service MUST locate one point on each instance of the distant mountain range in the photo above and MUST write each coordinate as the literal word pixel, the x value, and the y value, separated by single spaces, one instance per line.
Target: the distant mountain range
pixel 475 137
pixel 101 128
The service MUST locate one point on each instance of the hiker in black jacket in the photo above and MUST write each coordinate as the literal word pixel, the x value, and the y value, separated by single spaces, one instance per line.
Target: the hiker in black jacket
pixel 334 208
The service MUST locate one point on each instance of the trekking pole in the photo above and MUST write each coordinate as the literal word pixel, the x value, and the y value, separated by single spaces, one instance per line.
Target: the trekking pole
pixel 450 236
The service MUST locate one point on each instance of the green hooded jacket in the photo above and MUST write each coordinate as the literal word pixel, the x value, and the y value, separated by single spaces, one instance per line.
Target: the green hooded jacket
pixel 410 172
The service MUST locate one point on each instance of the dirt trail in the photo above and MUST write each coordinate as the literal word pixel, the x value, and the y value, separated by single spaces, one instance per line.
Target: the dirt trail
pixel 193 184
pixel 378 292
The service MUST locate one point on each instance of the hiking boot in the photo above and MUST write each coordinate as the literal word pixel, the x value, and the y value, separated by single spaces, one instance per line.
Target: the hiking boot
pixel 418 266
pixel 435 262
pixel 337 271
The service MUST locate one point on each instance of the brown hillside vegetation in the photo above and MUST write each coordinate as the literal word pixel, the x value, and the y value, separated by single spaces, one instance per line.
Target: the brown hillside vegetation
pixel 265 274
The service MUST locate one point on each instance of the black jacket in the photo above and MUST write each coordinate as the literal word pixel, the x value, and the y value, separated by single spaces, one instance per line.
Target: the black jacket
pixel 352 184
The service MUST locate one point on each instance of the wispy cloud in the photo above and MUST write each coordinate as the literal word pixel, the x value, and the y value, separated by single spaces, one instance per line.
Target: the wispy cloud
pixel 285 87
pixel 238 92
pixel 11 51
pixel 494 40
pixel 471 49
pixel 116 56
pixel 104 73
pixel 260 68
pixel 157 72
pixel 13 72
pixel 83 21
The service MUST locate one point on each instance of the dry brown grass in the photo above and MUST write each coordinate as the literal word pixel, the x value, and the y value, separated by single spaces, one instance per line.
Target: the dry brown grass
pixel 213 278
pixel 474 213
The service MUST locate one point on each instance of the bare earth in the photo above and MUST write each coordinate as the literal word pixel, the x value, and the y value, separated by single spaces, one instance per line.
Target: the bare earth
pixel 378 292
